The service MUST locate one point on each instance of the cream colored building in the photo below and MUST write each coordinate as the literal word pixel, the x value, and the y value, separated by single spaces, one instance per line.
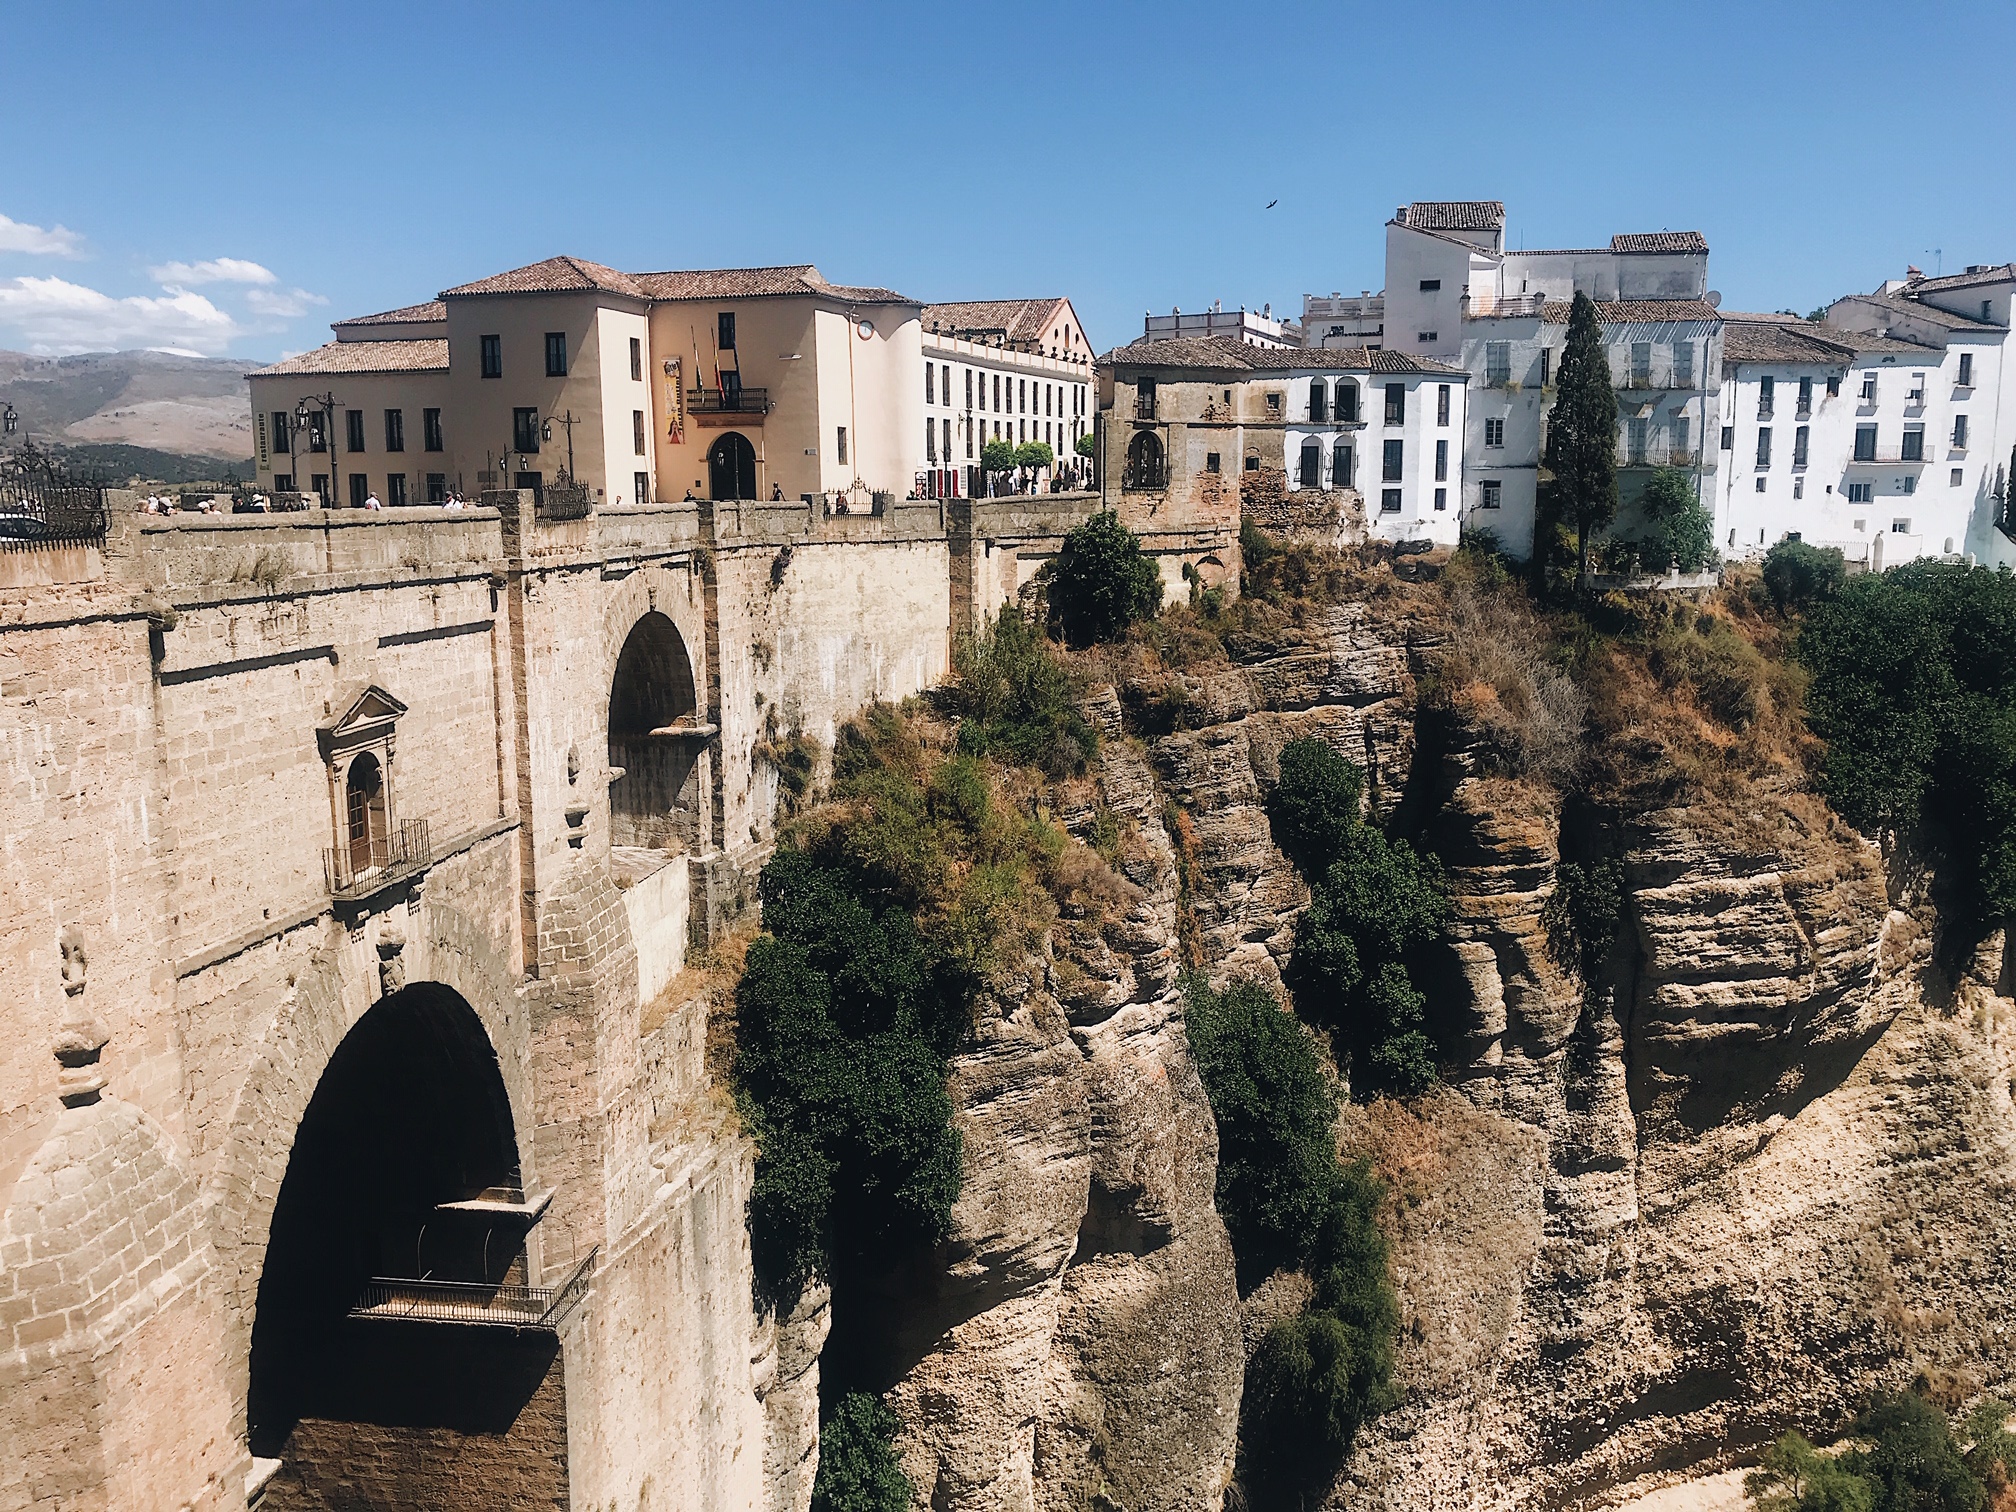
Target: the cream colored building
pixel 730 383
pixel 1002 370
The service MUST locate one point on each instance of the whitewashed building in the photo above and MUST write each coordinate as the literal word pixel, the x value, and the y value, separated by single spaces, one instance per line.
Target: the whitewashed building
pixel 1002 370
pixel 1255 328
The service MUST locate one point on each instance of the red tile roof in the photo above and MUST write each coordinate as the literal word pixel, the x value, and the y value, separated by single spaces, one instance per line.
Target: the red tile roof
pixel 556 275
pixel 419 314
pixel 1453 215
pixel 749 283
pixel 428 356
pixel 1659 241
pixel 1228 354
pixel 1635 311
pixel 1019 321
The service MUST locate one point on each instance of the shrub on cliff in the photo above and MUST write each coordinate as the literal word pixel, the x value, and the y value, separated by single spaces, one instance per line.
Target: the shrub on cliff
pixel 1798 576
pixel 858 1468
pixel 1019 700
pixel 1796 1477
pixel 1374 904
pixel 1913 1465
pixel 1101 582
pixel 1914 691
pixel 1289 1204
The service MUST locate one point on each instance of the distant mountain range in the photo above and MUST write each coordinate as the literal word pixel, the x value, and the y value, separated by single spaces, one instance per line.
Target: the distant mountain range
pixel 148 413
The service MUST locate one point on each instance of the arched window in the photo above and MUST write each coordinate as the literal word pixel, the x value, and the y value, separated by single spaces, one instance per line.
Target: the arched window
pixel 1341 465
pixel 654 741
pixel 1347 399
pixel 1144 462
pixel 731 468
pixel 1310 473
pixel 1318 408
pixel 364 793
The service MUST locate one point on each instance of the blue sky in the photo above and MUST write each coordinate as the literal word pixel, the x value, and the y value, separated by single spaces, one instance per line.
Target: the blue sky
pixel 229 178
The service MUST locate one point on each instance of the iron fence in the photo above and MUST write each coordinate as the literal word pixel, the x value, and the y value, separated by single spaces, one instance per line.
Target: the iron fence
pixel 562 501
pixel 366 863
pixel 41 501
pixel 727 401
pixel 423 1300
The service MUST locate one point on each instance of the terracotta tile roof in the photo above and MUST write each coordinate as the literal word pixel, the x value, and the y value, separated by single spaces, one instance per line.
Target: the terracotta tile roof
pixel 1659 241
pixel 419 314
pixel 1635 311
pixel 1018 320
pixel 751 283
pixel 430 356
pixel 556 275
pixel 1227 354
pixel 1453 215
pixel 1783 339
pixel 1974 278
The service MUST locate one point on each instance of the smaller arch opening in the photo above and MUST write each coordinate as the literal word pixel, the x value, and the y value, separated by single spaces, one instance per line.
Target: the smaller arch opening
pixel 1145 465
pixel 731 468
pixel 364 813
pixel 655 803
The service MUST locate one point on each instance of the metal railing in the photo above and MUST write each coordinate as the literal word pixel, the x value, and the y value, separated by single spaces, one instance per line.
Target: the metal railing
pixel 427 1301
pixel 365 864
pixel 40 501
pixel 1890 456
pixel 562 501
pixel 726 401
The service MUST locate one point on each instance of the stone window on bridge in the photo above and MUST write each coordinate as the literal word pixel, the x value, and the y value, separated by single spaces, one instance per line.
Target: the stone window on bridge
pixel 373 846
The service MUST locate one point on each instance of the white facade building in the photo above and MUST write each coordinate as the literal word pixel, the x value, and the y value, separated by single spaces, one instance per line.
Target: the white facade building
pixel 1009 370
pixel 1242 324
pixel 1335 320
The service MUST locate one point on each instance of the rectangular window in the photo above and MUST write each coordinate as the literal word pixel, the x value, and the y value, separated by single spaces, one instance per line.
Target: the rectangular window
pixel 395 430
pixel 969 389
pixel 493 355
pixel 947 427
pixel 1389 501
pixel 395 490
pixel 1641 364
pixel 1494 431
pixel 1767 395
pixel 930 383
pixel 1396 403
pixel 1760 485
pixel 637 432
pixel 1498 362
pixel 283 441
pixel 1683 440
pixel 1861 493
pixel 1868 388
pixel 945 386
pixel 1914 443
pixel 1799 445
pixel 969 437
pixel 1430 285
pixel 353 430
pixel 360 490
pixel 640 486
pixel 843 444
pixel 930 433
pixel 1637 436
pixel 1764 446
pixel 724 331
pixel 1909 484
pixel 1442 404
pixel 1728 438
pixel 1022 403
pixel 430 429
pixel 1492 494
pixel 1441 461
pixel 636 361
pixel 1900 527
pixel 525 430
pixel 1441 499
pixel 1427 338
pixel 1319 406
pixel 437 488
pixel 997 393
pixel 1211 463
pixel 1546 366
pixel 1343 466
pixel 1865 443
pixel 1252 464
pixel 1347 401
pixel 1954 477
pixel 1309 467
pixel 1917 394
pixel 1273 404
pixel 1966 370
pixel 1833 385
pixel 1389 467
pixel 1683 364
pixel 1805 397
pixel 556 354
pixel 1798 488
pixel 1960 433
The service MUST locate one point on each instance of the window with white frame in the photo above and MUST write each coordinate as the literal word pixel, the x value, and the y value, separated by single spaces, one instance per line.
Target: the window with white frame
pixel 1494 431
pixel 1492 494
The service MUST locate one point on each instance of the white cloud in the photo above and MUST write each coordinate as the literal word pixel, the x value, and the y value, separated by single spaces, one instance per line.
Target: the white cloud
pixel 57 316
pixel 288 305
pixel 211 270
pixel 19 236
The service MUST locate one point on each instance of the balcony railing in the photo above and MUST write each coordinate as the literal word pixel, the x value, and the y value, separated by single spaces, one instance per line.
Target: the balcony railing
pixel 1144 407
pixel 353 869
pixel 395 1298
pixel 725 401
pixel 1482 306
pixel 1889 456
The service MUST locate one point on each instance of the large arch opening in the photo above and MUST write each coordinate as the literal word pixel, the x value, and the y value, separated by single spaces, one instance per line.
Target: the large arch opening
pixel 404 1166
pixel 654 740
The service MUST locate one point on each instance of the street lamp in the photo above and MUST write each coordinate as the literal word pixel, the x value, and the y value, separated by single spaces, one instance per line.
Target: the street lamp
pixel 326 404
pixel 9 418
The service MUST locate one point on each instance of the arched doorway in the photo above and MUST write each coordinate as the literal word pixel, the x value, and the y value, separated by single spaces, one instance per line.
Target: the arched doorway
pixel 405 1165
pixel 653 739
pixel 1144 462
pixel 364 813
pixel 731 468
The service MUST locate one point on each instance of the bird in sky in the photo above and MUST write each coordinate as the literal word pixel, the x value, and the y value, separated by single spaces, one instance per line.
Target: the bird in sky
pixel 1272 203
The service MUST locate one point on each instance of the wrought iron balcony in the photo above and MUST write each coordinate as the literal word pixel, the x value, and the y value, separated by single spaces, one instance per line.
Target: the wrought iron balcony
pixel 365 865
pixel 400 1299
pixel 39 501
pixel 562 501
pixel 1144 407
pixel 726 401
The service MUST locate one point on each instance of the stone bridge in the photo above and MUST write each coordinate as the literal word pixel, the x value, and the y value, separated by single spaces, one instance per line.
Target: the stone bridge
pixel 357 1145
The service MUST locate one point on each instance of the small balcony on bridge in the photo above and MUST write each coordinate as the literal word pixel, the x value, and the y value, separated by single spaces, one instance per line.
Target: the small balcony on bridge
pixel 500 1305
pixel 376 860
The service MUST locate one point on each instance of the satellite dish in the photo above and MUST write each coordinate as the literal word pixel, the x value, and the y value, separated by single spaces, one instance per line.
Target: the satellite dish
pixel 1714 299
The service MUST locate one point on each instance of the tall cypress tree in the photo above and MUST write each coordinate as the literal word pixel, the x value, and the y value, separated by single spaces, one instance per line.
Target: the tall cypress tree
pixel 1582 432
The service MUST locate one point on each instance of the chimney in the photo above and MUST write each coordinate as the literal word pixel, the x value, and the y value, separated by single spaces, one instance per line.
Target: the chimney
pixel 1913 273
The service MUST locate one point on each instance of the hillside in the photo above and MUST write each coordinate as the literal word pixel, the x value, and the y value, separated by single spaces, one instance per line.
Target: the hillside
pixel 182 406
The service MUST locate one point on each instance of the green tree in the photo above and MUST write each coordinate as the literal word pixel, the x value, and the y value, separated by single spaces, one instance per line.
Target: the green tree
pixel 1314 809
pixel 858 1468
pixel 1086 445
pixel 1991 1447
pixel 997 456
pixel 1102 583
pixel 1582 916
pixel 1798 576
pixel 1914 1464
pixel 1796 1477
pixel 1019 699
pixel 1676 531
pixel 1034 456
pixel 1581 449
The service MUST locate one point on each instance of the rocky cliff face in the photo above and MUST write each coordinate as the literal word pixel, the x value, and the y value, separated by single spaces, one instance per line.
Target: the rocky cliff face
pixel 1760 1168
